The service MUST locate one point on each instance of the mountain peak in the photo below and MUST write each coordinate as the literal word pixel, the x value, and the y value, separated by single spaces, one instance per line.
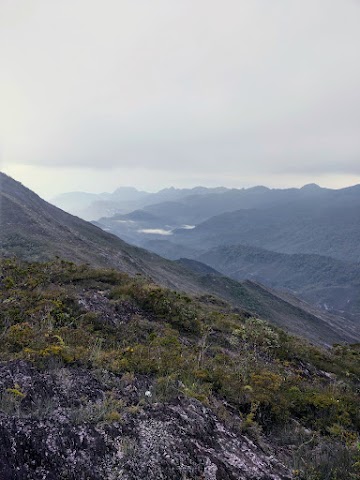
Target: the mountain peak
pixel 311 187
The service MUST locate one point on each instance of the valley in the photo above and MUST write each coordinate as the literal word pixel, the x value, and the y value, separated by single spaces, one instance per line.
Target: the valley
pixel 301 241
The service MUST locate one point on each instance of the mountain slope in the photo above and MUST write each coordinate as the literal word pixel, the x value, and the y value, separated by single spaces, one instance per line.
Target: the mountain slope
pixel 327 282
pixel 32 229
pixel 283 310
pixel 36 230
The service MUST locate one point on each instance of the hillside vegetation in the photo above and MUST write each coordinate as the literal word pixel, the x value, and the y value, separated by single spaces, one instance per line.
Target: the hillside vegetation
pixel 106 358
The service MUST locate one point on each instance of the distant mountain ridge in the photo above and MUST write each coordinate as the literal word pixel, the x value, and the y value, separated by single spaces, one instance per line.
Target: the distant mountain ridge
pixel 92 206
pixel 326 222
pixel 310 220
pixel 201 202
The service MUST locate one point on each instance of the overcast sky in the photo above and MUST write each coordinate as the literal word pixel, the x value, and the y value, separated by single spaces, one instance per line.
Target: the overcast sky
pixel 152 93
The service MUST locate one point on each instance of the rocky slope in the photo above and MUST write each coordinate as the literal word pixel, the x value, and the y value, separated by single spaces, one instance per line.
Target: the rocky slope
pixel 68 427
pixel 103 376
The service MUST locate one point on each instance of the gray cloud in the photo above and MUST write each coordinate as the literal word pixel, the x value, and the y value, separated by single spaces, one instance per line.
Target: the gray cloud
pixel 232 87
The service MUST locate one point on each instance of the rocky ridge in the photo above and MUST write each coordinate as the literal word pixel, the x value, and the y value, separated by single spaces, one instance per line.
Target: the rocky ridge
pixel 65 426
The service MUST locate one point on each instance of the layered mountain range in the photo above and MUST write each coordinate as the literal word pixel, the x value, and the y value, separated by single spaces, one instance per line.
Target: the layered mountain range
pixel 302 241
pixel 91 206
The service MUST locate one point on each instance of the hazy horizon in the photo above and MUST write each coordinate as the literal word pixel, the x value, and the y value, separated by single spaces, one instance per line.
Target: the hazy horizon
pixel 167 187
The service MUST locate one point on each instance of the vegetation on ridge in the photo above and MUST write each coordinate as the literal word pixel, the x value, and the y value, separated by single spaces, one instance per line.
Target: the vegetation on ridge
pixel 264 382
